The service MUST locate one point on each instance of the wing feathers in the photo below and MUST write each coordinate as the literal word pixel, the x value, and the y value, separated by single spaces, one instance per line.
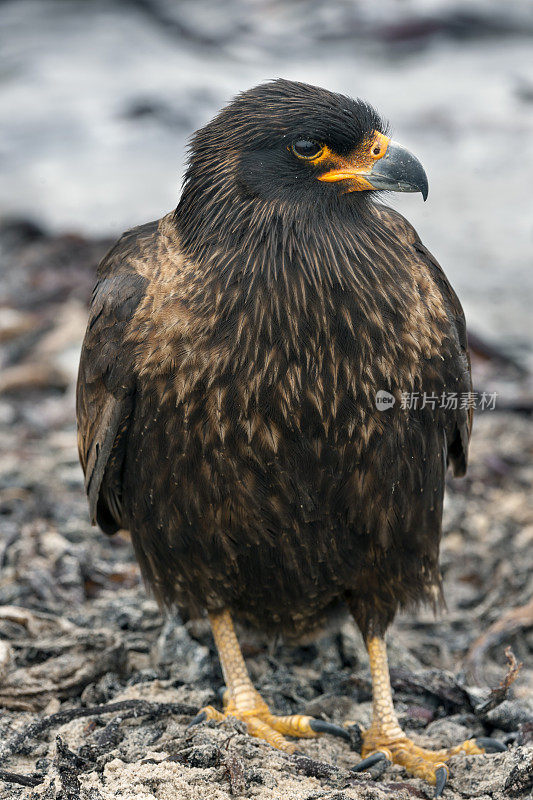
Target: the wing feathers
pixel 106 382
pixel 460 420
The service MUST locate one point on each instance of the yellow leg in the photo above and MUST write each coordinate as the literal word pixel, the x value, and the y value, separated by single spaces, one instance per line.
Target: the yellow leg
pixel 386 737
pixel 242 701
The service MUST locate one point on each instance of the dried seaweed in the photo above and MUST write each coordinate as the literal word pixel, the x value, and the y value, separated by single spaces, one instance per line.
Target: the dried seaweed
pixel 22 780
pixel 500 693
pixel 137 708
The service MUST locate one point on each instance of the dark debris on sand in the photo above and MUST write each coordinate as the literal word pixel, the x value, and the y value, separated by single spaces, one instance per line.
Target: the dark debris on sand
pixel 97 689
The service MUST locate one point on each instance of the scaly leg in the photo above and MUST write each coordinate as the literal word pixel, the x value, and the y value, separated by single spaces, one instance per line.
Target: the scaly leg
pixel 386 740
pixel 242 701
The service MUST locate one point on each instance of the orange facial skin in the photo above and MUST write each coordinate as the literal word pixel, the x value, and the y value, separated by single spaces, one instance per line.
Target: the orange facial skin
pixel 357 165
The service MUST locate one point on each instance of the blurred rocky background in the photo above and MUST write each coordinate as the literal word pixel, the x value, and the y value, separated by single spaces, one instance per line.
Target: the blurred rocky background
pixel 98 100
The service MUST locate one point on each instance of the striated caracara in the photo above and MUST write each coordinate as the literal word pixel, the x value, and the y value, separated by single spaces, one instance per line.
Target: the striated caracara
pixel 229 394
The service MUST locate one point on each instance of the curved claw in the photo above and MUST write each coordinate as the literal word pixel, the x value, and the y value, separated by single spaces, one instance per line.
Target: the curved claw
pixel 491 745
pixel 441 776
pixel 201 717
pixel 321 726
pixel 368 762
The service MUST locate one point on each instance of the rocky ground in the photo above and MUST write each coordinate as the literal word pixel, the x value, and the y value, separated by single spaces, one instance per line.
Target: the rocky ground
pixel 97 688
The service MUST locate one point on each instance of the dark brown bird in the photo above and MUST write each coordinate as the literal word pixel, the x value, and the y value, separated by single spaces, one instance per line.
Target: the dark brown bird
pixel 228 405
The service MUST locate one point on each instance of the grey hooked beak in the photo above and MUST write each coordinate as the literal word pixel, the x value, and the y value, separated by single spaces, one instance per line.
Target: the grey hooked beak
pixel 398 171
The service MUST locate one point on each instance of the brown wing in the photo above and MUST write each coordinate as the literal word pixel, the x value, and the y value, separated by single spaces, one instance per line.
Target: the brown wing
pixel 106 384
pixel 461 418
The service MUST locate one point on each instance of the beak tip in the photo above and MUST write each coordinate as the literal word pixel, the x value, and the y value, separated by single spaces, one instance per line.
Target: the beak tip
pixel 422 183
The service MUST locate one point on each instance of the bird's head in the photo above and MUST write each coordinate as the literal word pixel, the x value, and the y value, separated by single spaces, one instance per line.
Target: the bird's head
pixel 290 143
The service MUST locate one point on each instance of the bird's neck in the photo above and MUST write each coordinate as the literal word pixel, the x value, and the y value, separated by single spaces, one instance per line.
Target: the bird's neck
pixel 254 243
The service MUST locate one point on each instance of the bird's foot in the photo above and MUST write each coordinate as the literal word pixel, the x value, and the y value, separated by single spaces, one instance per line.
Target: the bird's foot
pixel 260 722
pixel 430 765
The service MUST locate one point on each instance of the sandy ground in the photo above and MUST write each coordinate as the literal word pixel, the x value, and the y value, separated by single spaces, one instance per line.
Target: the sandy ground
pixel 78 632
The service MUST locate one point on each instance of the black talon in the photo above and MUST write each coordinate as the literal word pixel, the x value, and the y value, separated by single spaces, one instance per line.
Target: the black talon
pixel 321 726
pixel 491 745
pixel 441 776
pixel 201 717
pixel 375 758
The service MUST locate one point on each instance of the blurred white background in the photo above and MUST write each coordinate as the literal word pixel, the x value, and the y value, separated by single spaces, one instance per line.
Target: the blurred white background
pixel 98 100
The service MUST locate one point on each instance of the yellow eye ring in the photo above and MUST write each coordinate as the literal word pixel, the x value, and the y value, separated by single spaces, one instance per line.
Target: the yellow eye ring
pixel 307 149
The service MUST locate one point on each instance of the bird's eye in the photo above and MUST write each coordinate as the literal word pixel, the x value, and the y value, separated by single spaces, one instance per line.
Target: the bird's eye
pixel 306 148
